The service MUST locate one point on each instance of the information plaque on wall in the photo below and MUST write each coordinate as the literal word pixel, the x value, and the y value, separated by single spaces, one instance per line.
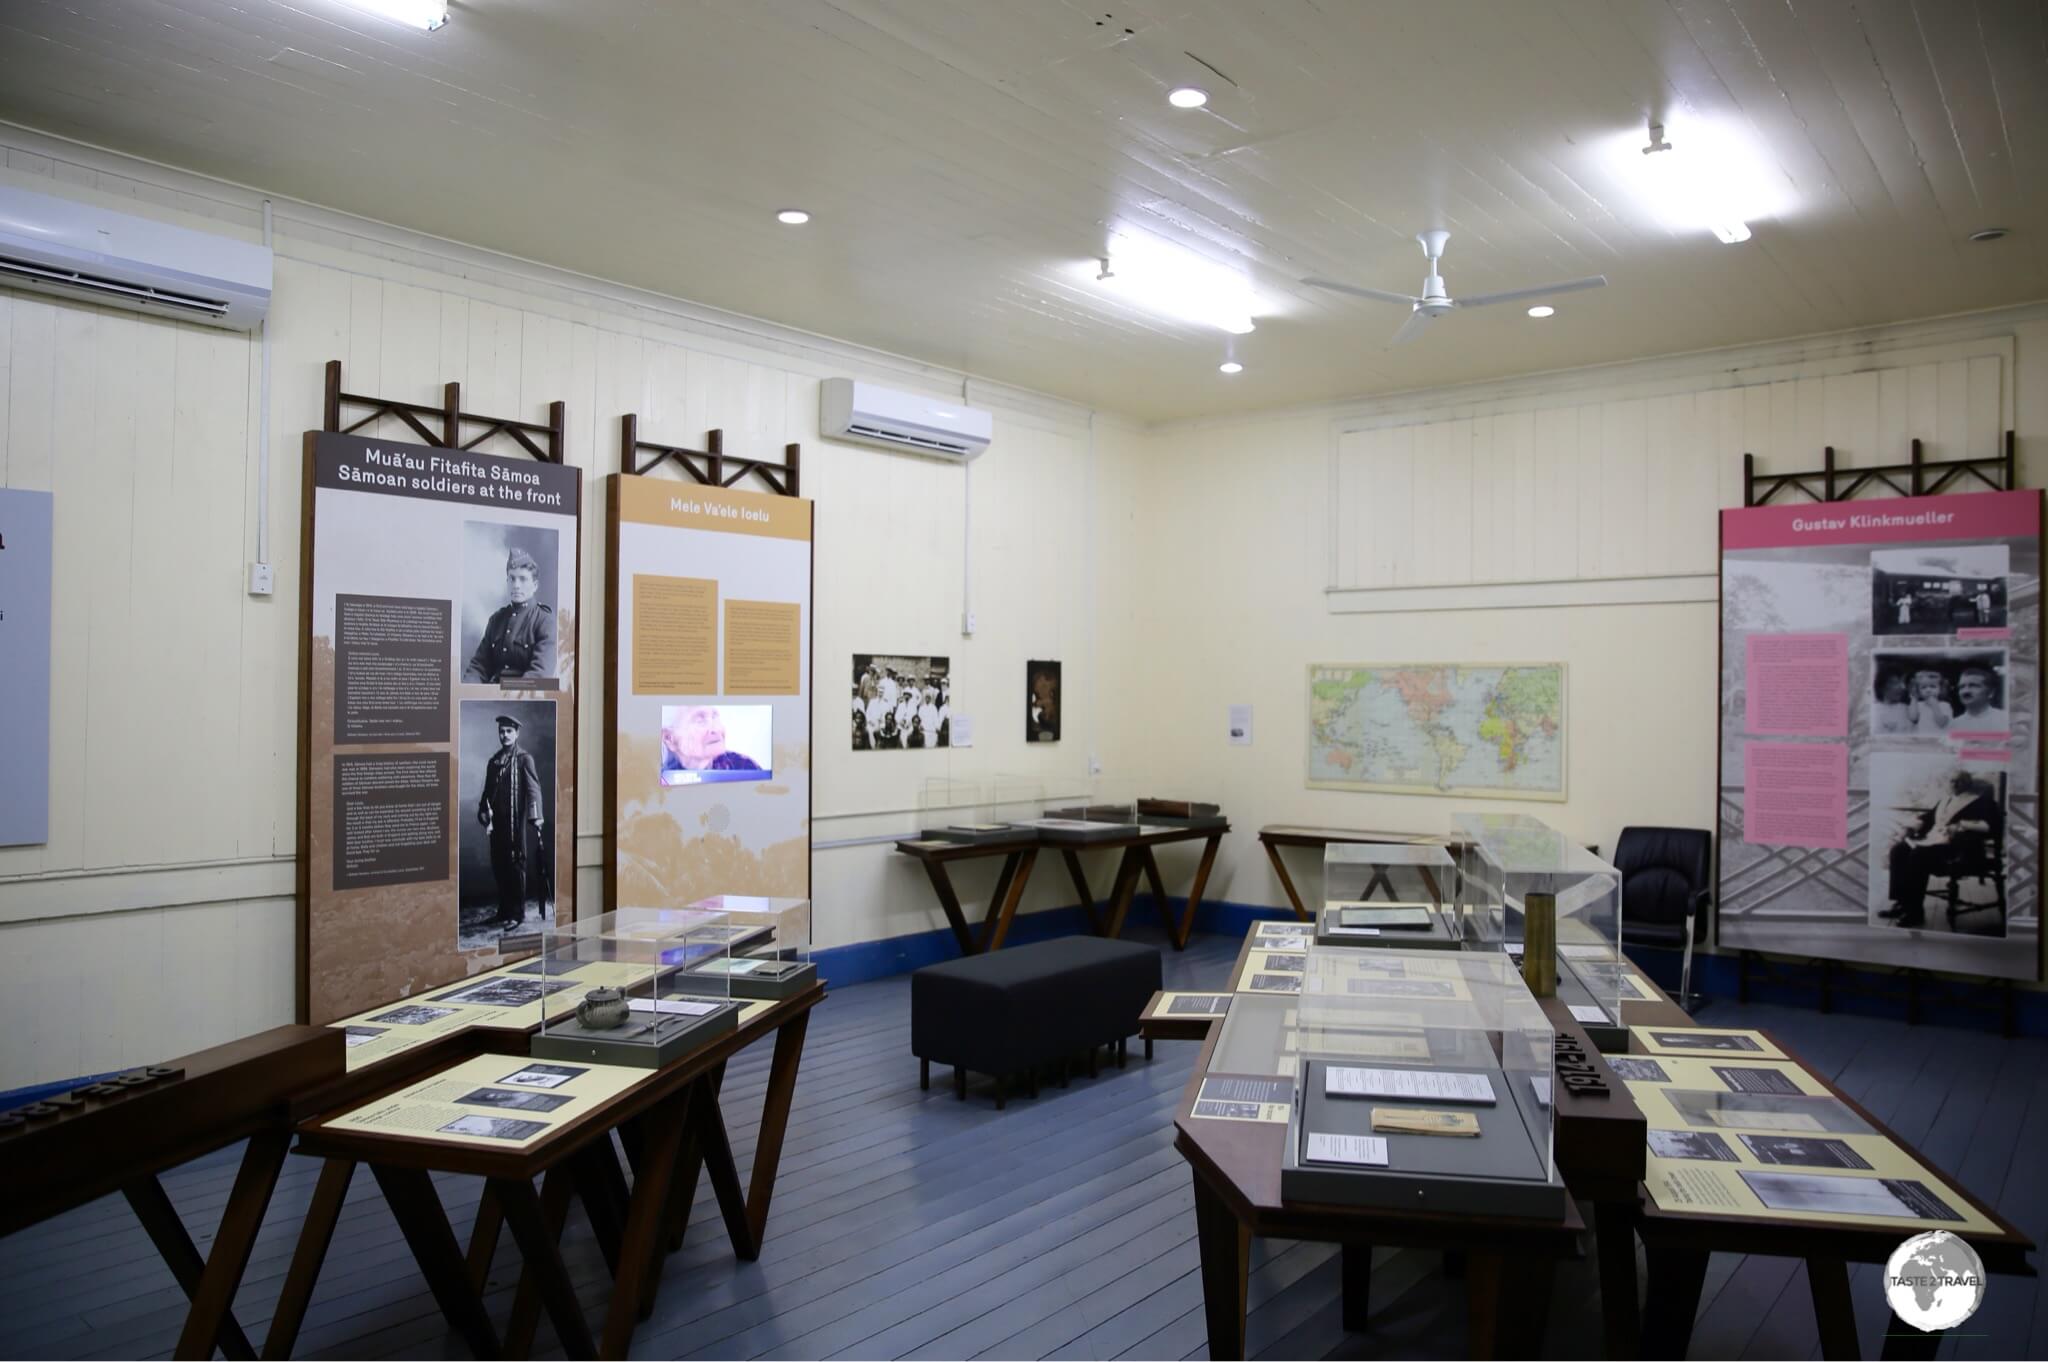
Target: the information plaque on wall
pixel 438 737
pixel 1880 732
pixel 707 693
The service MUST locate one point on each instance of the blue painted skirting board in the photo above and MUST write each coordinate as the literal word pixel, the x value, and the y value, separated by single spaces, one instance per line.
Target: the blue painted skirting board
pixel 1716 976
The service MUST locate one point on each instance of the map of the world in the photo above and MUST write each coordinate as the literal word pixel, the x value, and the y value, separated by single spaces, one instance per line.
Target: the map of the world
pixel 1434 728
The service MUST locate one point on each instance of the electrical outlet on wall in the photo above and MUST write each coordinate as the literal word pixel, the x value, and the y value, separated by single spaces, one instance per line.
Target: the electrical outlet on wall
pixel 967 624
pixel 260 579
pixel 1094 764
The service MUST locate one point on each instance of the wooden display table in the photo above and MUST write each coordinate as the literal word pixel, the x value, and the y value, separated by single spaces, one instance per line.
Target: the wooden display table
pixel 1274 836
pixel 1020 853
pixel 104 1143
pixel 670 1126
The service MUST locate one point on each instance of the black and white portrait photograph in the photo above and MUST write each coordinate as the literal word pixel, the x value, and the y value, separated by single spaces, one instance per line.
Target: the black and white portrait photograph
pixel 508 603
pixel 1937 693
pixel 494 1127
pixel 1832 1194
pixel 413 1015
pixel 542 1075
pixel 1804 1151
pixel 512 1099
pixel 1635 1069
pixel 901 702
pixel 1041 702
pixel 361 1035
pixel 1698 1107
pixel 707 744
pixel 1937 843
pixel 1706 1040
pixel 504 992
pixel 505 810
pixel 1938 589
pixel 1691 1144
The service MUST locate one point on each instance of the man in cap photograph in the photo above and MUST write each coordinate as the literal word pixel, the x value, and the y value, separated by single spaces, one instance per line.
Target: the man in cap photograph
pixel 519 640
pixel 510 807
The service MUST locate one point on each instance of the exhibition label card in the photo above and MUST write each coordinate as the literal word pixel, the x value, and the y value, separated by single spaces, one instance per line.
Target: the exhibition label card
pixel 1368 1151
pixel 1360 1044
pixel 1270 983
pixel 1580 951
pixel 673 1007
pixel 494 1101
pixel 1796 685
pixel 1226 1097
pixel 1420 1121
pixel 1192 1005
pixel 1278 962
pixel 1704 1040
pixel 1589 1014
pixel 1413 1085
pixel 1708 1184
pixel 1784 1077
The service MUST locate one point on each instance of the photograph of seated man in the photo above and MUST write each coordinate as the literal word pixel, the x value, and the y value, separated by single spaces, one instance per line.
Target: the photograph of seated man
pixel 1948 845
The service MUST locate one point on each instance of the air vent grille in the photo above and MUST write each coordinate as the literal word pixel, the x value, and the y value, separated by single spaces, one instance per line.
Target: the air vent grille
pixel 899 437
pixel 114 290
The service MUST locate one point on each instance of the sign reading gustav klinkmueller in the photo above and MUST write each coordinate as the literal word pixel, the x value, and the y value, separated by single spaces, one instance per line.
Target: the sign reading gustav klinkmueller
pixel 438 787
pixel 25 525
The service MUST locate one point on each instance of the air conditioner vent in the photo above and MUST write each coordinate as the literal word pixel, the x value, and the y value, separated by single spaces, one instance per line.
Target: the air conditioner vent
pixel 111 290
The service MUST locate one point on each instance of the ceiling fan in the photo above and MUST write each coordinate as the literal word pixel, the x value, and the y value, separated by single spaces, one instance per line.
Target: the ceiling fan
pixel 1433 302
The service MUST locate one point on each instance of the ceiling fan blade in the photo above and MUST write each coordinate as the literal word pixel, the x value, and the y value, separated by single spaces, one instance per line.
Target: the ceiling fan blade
pixel 1540 291
pixel 1378 295
pixel 1417 323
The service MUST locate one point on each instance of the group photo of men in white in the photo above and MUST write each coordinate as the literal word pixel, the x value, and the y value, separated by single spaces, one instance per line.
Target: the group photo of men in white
pixel 901 702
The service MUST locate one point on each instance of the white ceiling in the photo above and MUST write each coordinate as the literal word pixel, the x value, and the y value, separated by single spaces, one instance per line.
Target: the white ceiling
pixel 963 158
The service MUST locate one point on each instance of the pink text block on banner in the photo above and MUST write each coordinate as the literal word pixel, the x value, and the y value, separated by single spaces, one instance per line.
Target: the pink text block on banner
pixel 1795 794
pixel 1796 685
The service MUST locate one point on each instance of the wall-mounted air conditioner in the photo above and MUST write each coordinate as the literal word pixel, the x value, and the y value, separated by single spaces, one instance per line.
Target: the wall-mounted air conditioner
pixel 74 250
pixel 851 410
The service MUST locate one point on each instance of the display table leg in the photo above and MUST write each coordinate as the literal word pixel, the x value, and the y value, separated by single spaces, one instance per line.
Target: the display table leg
pixel 1834 1313
pixel 1002 906
pixel 152 1206
pixel 639 1251
pixel 1672 1301
pixel 416 1207
pixel 1485 1275
pixel 483 1236
pixel 543 1260
pixel 1286 881
pixel 942 885
pixel 1157 884
pixel 1186 926
pixel 1904 1343
pixel 789 1053
pixel 1226 1247
pixel 1614 1240
pixel 593 1174
pixel 1356 1289
pixel 557 1190
pixel 315 1234
pixel 232 1242
pixel 716 1148
pixel 1120 895
pixel 1082 894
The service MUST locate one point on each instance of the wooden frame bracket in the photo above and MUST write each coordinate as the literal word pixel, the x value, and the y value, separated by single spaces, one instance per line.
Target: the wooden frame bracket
pixel 711 465
pixel 442 426
pixel 1919 476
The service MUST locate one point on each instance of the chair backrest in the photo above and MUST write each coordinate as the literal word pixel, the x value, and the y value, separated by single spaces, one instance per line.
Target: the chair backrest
pixel 1662 870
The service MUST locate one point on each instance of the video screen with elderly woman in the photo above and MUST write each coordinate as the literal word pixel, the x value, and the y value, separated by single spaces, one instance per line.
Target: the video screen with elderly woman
pixel 702 744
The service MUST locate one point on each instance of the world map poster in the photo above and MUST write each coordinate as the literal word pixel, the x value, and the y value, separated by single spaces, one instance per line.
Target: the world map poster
pixel 1495 731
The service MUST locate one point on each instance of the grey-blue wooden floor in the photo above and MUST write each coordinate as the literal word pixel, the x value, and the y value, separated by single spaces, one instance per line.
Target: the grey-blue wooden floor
pixel 906 1224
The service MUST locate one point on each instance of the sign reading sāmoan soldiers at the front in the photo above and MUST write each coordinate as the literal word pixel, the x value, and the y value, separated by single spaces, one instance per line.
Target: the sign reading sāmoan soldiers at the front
pixel 437 748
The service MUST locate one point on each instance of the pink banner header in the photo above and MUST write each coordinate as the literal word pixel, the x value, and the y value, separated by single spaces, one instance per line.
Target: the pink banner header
pixel 1891 520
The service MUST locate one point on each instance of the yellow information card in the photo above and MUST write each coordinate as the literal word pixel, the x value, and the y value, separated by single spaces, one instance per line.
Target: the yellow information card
pixel 675 635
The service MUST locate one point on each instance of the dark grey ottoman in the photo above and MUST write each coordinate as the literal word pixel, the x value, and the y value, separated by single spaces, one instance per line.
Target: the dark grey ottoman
pixel 1010 1013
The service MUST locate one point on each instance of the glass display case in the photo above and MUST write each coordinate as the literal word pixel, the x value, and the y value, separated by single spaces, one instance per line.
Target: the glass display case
pixel 1400 895
pixel 1554 905
pixel 1108 809
pixel 952 810
pixel 629 1014
pixel 1185 804
pixel 1421 1079
pixel 768 941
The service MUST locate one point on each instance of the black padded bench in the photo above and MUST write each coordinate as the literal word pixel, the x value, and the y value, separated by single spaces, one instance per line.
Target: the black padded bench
pixel 1011 1013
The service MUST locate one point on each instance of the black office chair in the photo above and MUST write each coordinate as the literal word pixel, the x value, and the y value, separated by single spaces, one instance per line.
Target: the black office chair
pixel 1666 885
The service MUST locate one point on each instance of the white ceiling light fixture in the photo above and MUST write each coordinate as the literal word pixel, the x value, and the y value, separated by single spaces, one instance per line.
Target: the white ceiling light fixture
pixel 1700 175
pixel 1187 97
pixel 792 217
pixel 1542 310
pixel 1230 366
pixel 425 15
pixel 1160 277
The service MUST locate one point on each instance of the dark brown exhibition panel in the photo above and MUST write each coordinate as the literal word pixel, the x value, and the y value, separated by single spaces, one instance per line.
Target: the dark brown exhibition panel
pixel 1021 853
pixel 120 1141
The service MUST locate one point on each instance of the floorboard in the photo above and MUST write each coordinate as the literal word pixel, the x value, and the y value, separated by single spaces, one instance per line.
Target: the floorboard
pixel 909 1224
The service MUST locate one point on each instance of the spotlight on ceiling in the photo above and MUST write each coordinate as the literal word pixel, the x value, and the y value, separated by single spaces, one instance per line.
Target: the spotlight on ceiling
pixel 1172 281
pixel 792 217
pixel 1187 97
pixel 1542 310
pixel 1706 175
pixel 425 15
pixel 1230 366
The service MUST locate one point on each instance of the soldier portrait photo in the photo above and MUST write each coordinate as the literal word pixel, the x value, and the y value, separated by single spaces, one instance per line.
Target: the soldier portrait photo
pixel 508 603
pixel 505 808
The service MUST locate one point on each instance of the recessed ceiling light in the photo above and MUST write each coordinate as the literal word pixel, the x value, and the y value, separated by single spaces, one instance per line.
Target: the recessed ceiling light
pixel 1187 97
pixel 426 15
pixel 1542 310
pixel 1230 366
pixel 1989 234
pixel 1732 232
pixel 792 217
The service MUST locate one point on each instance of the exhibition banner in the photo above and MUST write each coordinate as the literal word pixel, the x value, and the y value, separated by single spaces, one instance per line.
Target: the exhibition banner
pixel 26 522
pixel 707 693
pixel 438 735
pixel 1880 732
